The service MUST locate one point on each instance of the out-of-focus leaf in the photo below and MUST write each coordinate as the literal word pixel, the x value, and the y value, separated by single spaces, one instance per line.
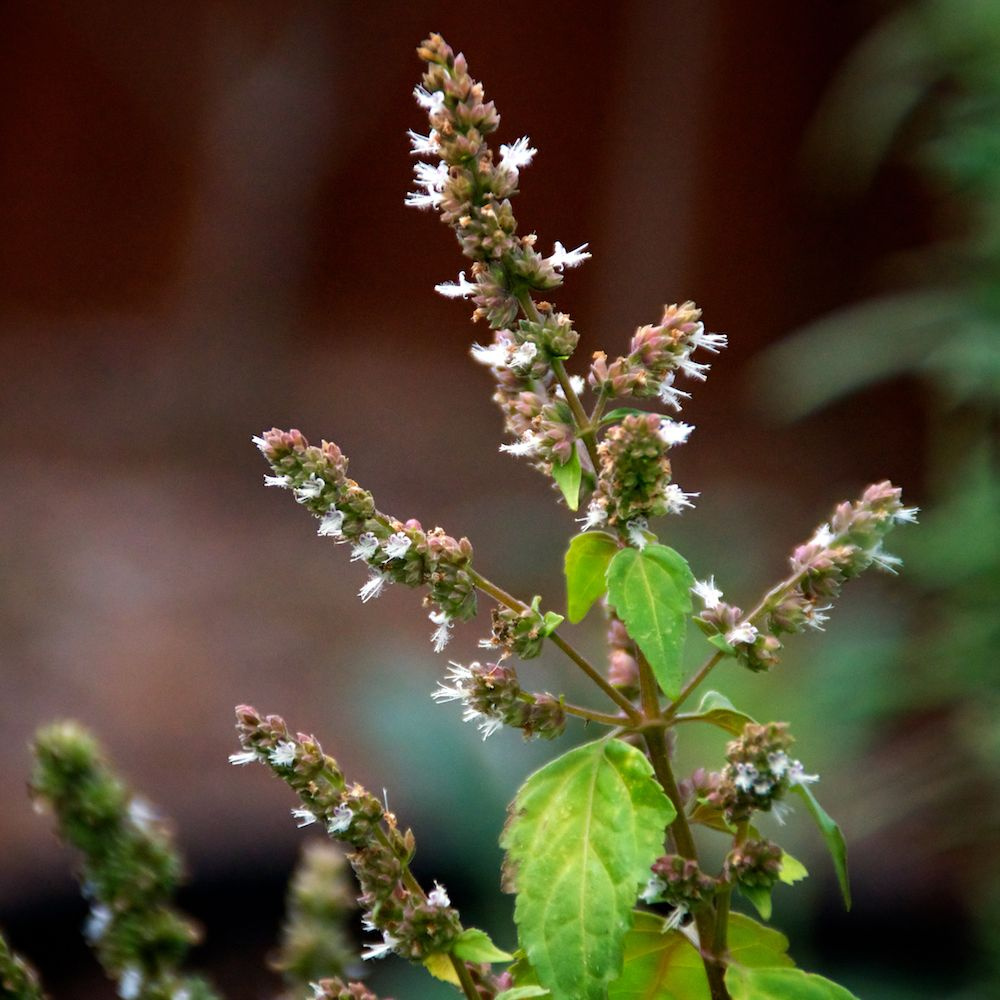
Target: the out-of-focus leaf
pixel 586 567
pixel 833 836
pixel 781 984
pixel 658 965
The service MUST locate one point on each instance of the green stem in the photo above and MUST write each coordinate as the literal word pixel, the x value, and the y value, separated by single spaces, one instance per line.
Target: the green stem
pixel 590 715
pixel 512 602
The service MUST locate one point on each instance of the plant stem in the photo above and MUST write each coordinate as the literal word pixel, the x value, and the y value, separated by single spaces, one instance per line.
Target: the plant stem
pixel 703 671
pixel 500 595
pixel 590 715
pixel 465 978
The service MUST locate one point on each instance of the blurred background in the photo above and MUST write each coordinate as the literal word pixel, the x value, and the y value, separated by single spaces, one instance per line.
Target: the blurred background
pixel 204 235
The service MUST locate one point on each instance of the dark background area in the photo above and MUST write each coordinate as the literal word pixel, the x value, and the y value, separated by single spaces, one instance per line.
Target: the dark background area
pixel 204 235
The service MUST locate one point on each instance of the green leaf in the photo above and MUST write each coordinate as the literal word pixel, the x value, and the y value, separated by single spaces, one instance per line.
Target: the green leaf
pixel 651 591
pixel 833 836
pixel 792 870
pixel 760 896
pixel 722 644
pixel 781 984
pixel 567 477
pixel 438 964
pixel 719 711
pixel 521 992
pixel 659 966
pixel 586 567
pixel 474 945
pixel 619 414
pixel 754 945
pixel 582 833
pixel 551 622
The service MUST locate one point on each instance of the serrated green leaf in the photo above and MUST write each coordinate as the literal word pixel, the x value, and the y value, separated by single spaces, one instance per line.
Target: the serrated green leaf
pixel 523 992
pixel 718 710
pixel 586 567
pixel 438 964
pixel 833 836
pixel 792 870
pixel 781 984
pixel 651 592
pixel 659 966
pixel 474 945
pixel 568 477
pixel 760 897
pixel 754 945
pixel 720 642
pixel 582 833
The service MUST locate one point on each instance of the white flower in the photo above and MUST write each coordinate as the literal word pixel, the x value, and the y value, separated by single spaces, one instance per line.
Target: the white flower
pixel 694 370
pixel 528 445
pixel 365 547
pixel 374 587
pixel 340 822
pixel 822 536
pixel 675 919
pixel 636 529
pixel 669 395
pixel 130 983
pixel 304 817
pixel 518 154
pixel 142 814
pixel 780 810
pixel 182 993
pixel 488 726
pixel 246 757
pixel 430 101
pixel 495 355
pixel 380 950
pixel 318 991
pixel 906 514
pixel 283 754
pixel 331 524
pixel 423 145
pixel 283 481
pixel 743 633
pixel 595 517
pixel 438 896
pixel 713 342
pixel 797 775
pixel 431 177
pixel 674 432
pixel 577 383
pixel 562 257
pixel 523 356
pixel 746 776
pixel 442 634
pixel 397 545
pixel 423 199
pixel 457 675
pixel 654 890
pixel 310 489
pixel 460 289
pixel 779 763
pixel 97 923
pixel 884 560
pixel 816 618
pixel 708 592
pixel 262 445
pixel 676 499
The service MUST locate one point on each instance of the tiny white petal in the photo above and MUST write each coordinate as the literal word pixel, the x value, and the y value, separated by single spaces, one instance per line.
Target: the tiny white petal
pixel 676 499
pixel 424 145
pixel 523 356
pixel 528 445
pixel 246 757
pixel 797 775
pixel 365 547
pixel 494 355
pixel 561 257
pixel 460 289
pixel 283 754
pixel 431 101
pixel 636 529
pixel 906 514
pixel 713 342
pixel 397 545
pixel 694 370
pixel 518 154
pixel 261 444
pixel 374 587
pixel 595 517
pixel 97 923
pixel 331 524
pixel 304 817
pixel 340 822
pixel 282 481
pixel 438 896
pixel 742 633
pixel 310 489
pixel 708 592
pixel 423 199
pixel 884 560
pixel 670 395
pixel 380 950
pixel 130 983
pixel 674 432
pixel 822 536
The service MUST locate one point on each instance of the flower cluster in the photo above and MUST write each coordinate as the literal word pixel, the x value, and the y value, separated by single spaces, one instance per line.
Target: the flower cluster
pixel 130 868
pixel 493 698
pixel 840 549
pixel 413 924
pixel 634 478
pixel 314 940
pixel 18 981
pixel 656 355
pixel 521 632
pixel 755 864
pixel 623 670
pixel 759 772
pixel 679 882
pixel 394 551
pixel 336 989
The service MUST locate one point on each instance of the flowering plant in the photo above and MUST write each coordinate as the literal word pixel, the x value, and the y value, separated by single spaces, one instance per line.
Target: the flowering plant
pixel 613 899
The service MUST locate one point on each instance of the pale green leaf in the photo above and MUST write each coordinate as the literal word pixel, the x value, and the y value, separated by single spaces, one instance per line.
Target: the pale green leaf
pixel 551 622
pixel 833 836
pixel 722 644
pixel 474 945
pixel 659 966
pixel 718 710
pixel 586 566
pixel 760 897
pixel 438 964
pixel 651 592
pixel 582 833
pixel 792 870
pixel 568 477
pixel 523 992
pixel 754 945
pixel 781 984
